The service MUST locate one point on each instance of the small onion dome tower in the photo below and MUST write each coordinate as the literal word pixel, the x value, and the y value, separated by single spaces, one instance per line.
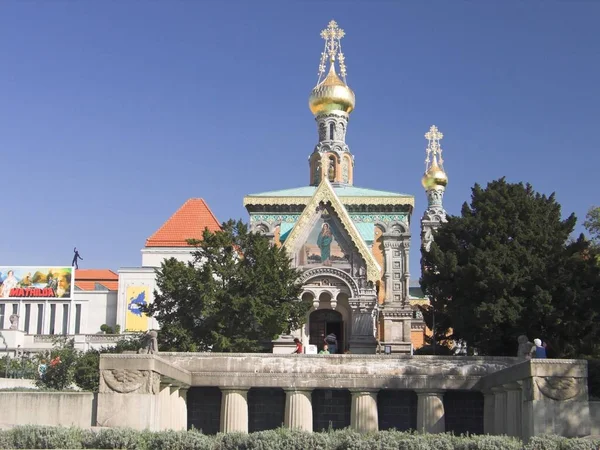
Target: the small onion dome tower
pixel 434 181
pixel 331 102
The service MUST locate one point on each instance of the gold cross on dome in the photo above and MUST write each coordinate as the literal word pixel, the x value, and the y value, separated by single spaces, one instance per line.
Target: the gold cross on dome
pixel 434 134
pixel 332 35
pixel 434 150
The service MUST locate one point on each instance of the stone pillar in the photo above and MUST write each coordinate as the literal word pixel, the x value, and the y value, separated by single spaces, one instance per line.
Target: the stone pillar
pixel 363 413
pixel 298 409
pixel 362 338
pixel 513 410
pixel 183 421
pixel 234 410
pixel 129 398
pixel 488 412
pixel 499 410
pixel 430 411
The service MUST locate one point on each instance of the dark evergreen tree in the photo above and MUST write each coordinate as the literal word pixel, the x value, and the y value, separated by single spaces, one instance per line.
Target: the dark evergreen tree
pixel 506 267
pixel 239 293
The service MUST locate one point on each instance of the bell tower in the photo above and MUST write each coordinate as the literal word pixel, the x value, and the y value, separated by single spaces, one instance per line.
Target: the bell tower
pixel 331 101
pixel 434 181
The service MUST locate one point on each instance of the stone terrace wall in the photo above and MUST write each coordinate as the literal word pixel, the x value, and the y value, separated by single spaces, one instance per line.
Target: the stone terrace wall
pixel 47 408
pixel 336 371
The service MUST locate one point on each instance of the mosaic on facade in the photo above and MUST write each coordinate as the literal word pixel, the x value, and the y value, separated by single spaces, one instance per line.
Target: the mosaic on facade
pixel 322 248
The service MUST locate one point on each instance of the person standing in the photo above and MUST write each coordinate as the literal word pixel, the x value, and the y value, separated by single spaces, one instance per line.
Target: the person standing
pixel 299 350
pixel 540 351
pixel 331 342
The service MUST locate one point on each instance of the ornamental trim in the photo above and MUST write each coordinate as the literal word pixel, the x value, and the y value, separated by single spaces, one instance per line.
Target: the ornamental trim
pixel 331 272
pixel 373 218
pixel 272 218
pixel 384 201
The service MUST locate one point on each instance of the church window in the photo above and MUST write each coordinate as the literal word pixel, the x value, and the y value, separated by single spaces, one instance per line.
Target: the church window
pixel 331 129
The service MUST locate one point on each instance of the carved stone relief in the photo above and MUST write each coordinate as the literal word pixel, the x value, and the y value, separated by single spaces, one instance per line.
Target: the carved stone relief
pixel 558 388
pixel 126 381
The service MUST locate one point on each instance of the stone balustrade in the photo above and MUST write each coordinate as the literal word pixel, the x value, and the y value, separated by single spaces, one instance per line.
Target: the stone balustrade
pixel 508 388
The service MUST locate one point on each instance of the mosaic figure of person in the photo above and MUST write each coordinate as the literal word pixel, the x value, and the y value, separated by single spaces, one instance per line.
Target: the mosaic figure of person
pixel 324 242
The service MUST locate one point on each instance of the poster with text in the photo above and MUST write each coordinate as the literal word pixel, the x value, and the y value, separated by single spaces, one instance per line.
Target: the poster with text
pixel 36 282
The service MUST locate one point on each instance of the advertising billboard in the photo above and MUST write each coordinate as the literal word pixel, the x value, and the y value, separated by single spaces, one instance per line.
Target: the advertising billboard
pixel 36 282
pixel 135 318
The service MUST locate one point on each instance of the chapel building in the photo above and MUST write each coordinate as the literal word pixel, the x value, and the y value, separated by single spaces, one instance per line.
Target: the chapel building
pixel 351 243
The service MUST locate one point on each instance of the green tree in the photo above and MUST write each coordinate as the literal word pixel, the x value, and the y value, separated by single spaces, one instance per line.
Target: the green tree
pixel 506 267
pixel 239 293
pixel 592 224
pixel 60 365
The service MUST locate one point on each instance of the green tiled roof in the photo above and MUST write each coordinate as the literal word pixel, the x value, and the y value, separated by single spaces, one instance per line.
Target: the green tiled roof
pixel 341 191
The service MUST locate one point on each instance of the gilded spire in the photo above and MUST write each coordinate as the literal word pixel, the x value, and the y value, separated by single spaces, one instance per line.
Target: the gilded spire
pixel 434 163
pixel 332 94
pixel 332 35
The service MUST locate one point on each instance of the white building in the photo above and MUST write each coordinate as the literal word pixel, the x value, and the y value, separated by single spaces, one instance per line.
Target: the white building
pixel 38 304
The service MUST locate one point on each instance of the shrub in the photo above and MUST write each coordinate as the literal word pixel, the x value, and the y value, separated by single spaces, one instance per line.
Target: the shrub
pixel 87 371
pixel 31 436
pixel 118 438
pixel 180 440
pixel 561 443
pixel 280 439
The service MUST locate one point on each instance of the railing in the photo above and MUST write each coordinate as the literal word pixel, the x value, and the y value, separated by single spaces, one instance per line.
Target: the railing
pixel 103 337
pixel 90 338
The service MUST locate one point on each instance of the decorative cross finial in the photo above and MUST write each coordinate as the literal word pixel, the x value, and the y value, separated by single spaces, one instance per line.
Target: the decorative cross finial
pixel 434 150
pixel 333 48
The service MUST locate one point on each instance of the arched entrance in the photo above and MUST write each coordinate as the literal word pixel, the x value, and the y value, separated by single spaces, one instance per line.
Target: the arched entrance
pixel 325 321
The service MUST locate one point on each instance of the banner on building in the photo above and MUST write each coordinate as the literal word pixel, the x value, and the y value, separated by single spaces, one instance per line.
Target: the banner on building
pixel 137 298
pixel 36 282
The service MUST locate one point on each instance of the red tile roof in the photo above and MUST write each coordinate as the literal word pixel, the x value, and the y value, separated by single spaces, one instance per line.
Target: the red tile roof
pixel 188 222
pixel 86 279
pixel 96 274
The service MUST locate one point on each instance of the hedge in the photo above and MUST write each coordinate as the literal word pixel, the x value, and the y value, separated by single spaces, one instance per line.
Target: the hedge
pixel 280 439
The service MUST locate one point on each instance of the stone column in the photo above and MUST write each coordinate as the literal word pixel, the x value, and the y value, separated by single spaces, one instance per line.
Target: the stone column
pixel 363 413
pixel 499 410
pixel 430 411
pixel 234 410
pixel 298 409
pixel 362 337
pixel 183 421
pixel 488 412
pixel 513 410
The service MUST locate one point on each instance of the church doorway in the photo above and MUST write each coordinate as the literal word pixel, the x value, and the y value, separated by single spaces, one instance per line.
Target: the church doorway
pixel 321 323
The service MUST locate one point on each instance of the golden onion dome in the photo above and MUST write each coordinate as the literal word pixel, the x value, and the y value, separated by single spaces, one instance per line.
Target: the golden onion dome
pixel 435 176
pixel 331 94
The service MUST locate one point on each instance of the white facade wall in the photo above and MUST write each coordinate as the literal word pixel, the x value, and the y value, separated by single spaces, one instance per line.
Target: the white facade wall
pixel 135 277
pixel 97 308
pixel 154 256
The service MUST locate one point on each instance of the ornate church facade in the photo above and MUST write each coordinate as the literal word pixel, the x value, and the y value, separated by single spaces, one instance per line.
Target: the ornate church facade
pixel 351 243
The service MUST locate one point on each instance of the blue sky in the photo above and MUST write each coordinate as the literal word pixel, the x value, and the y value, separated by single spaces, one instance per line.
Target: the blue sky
pixel 113 113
